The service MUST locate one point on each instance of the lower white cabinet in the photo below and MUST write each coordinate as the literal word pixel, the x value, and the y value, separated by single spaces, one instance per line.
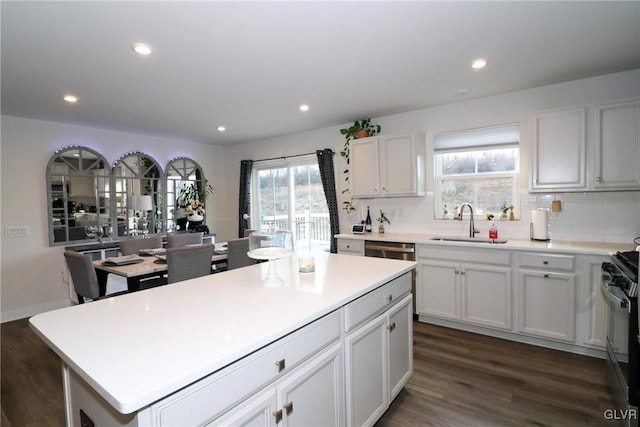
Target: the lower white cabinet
pixel 378 363
pixel 591 305
pixel 311 395
pixel 547 296
pixel 351 247
pixel 466 290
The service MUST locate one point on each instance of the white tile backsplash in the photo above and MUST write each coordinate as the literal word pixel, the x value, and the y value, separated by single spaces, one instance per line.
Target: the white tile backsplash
pixel 612 217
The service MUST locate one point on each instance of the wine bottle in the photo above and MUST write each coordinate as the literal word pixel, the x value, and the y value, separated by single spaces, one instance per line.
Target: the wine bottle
pixel 367 224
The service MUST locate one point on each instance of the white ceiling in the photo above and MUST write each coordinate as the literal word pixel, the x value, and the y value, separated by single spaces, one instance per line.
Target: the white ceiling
pixel 249 65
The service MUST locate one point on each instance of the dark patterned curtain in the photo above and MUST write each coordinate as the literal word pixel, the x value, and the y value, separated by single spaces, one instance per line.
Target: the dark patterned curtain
pixel 325 164
pixel 245 199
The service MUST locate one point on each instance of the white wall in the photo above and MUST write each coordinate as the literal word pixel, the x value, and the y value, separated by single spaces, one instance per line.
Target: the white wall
pixel 610 217
pixel 32 278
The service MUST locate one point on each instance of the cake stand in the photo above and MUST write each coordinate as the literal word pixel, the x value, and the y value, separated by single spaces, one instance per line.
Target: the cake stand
pixel 270 246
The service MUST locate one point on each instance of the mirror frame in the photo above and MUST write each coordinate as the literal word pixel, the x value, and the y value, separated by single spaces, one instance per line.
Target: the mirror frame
pixel 183 170
pixel 158 193
pixel 64 193
pixel 183 166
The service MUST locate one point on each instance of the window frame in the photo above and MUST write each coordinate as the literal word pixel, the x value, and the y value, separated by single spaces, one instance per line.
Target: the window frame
pixel 439 177
pixel 289 164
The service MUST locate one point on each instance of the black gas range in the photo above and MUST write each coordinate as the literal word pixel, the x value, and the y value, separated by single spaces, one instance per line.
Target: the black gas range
pixel 620 288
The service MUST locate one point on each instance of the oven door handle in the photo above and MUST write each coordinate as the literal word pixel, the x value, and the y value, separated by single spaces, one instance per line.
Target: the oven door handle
pixel 621 300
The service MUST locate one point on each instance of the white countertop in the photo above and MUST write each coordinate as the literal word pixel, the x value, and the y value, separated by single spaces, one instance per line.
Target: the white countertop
pixel 585 248
pixel 137 348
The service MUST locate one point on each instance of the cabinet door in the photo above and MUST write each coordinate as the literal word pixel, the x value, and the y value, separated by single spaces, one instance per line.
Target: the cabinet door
pixel 592 305
pixel 398 165
pixel 547 303
pixel 314 394
pixel 437 291
pixel 400 346
pixel 366 361
pixel 559 145
pixel 363 166
pixel 617 146
pixel 257 411
pixel 486 295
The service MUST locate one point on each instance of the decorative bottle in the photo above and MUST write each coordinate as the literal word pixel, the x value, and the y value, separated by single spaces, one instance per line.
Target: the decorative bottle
pixel 493 231
pixel 367 223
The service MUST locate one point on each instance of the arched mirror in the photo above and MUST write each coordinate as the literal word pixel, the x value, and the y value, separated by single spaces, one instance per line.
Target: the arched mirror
pixel 187 188
pixel 78 190
pixel 138 194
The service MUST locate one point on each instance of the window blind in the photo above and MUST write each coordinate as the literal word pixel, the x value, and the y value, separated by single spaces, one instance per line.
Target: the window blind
pixel 478 138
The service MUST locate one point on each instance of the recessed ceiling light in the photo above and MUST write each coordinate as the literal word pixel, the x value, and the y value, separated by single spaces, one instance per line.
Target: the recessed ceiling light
pixel 304 107
pixel 142 49
pixel 221 128
pixel 462 92
pixel 72 99
pixel 479 63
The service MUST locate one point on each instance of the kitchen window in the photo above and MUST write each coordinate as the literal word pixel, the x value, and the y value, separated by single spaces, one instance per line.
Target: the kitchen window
pixel 477 166
pixel 289 196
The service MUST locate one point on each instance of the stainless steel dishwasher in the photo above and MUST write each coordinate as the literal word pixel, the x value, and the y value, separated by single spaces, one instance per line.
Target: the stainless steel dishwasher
pixel 394 250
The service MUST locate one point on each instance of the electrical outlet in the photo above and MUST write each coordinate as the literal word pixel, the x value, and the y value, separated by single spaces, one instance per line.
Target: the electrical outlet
pixel 16 231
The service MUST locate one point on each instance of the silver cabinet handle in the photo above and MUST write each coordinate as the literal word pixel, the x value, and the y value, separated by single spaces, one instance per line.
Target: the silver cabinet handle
pixel 280 364
pixel 388 297
pixel 391 327
pixel 545 262
pixel 278 415
pixel 288 407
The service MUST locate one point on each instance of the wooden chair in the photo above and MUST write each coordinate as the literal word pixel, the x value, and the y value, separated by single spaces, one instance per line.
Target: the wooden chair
pixel 189 262
pixel 133 245
pixel 83 275
pixel 237 253
pixel 176 240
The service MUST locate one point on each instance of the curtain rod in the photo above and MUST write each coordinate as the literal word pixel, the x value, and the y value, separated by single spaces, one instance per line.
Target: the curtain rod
pixel 287 157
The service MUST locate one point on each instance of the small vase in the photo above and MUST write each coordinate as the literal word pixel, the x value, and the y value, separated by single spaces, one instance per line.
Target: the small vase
pixel 381 229
pixel 362 133
pixel 512 217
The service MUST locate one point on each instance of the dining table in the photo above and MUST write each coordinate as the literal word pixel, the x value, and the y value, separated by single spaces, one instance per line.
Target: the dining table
pixel 145 267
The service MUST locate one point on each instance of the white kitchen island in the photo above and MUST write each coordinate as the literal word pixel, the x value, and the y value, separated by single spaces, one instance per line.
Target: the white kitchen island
pixel 223 350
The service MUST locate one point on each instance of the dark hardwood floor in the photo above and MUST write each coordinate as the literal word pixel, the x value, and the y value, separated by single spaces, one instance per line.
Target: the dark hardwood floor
pixel 460 379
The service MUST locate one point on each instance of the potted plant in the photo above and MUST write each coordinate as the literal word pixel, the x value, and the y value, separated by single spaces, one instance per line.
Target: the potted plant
pixel 360 129
pixel 381 220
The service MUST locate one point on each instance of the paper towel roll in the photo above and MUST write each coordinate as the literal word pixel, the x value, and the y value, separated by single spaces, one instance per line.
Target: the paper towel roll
pixel 539 221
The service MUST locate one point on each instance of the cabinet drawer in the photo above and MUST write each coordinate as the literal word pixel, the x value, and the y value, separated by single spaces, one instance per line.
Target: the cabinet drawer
pixel 548 261
pixel 351 246
pixel 376 301
pixel 203 401
pixel 479 255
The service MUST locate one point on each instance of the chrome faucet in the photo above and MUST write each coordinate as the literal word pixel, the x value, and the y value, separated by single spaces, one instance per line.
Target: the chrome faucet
pixel 472 228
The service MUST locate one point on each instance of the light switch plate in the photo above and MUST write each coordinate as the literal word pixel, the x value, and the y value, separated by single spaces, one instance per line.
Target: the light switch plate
pixel 16 231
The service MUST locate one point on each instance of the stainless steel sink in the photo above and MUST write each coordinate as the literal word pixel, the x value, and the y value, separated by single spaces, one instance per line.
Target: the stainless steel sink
pixel 468 239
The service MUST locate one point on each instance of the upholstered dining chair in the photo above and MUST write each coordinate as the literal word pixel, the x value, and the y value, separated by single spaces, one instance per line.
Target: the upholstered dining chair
pixel 83 275
pixel 175 240
pixel 133 245
pixel 189 262
pixel 237 253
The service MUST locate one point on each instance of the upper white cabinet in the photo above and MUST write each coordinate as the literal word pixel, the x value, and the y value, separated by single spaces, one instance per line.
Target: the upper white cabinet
pixel 559 150
pixel 388 165
pixel 565 157
pixel 617 146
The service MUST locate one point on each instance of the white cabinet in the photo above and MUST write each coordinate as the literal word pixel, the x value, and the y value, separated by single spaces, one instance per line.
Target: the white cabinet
pixel 351 247
pixel 547 296
pixel 559 150
pixel 617 146
pixel 311 395
pixel 476 288
pixel 591 305
pixel 378 363
pixel 388 166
